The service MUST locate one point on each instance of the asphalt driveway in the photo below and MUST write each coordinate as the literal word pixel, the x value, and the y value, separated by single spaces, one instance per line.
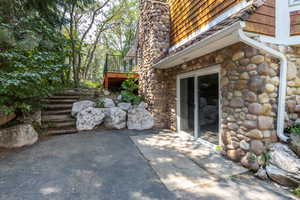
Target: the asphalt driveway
pixel 92 165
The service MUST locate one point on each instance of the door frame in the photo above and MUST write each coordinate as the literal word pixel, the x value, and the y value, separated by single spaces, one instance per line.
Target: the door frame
pixel 216 69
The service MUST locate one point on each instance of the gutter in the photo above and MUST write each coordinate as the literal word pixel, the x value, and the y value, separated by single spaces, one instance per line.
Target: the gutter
pixel 283 74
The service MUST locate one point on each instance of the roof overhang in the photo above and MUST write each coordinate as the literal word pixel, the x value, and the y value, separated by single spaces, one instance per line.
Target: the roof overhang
pixel 216 41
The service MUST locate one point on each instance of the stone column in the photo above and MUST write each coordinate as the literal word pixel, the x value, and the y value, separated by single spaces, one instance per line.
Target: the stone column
pixel 154 30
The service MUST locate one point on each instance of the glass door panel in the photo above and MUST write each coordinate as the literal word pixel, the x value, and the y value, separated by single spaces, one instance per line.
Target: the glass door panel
pixel 208 108
pixel 187 105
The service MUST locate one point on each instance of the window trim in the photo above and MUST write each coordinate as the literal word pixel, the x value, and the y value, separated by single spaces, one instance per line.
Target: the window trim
pixel 294 2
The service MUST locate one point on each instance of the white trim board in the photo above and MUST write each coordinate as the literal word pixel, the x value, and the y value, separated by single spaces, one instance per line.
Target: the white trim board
pixel 214 22
pixel 216 69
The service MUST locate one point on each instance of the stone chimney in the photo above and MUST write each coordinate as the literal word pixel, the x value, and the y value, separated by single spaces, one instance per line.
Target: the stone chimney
pixel 153 44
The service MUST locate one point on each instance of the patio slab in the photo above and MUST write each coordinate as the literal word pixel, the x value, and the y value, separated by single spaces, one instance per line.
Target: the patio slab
pixel 202 155
pixel 194 171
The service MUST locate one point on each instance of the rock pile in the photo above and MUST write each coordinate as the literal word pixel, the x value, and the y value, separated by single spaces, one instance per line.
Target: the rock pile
pixel 88 116
pixel 283 165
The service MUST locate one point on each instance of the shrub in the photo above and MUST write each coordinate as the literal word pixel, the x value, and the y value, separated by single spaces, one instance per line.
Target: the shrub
pixel 100 103
pixel 91 84
pixel 297 191
pixel 294 129
pixel 31 63
pixel 129 91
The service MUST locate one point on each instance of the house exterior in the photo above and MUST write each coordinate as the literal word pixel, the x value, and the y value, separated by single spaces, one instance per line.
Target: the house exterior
pixel 226 71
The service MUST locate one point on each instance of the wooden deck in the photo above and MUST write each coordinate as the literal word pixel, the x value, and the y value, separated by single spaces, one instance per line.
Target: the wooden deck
pixel 113 80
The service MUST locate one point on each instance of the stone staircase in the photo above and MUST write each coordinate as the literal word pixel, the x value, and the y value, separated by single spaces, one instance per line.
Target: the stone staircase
pixel 56 116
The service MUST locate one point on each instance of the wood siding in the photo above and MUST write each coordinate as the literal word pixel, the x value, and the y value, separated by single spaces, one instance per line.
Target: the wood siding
pixel 187 16
pixel 263 20
pixel 295 23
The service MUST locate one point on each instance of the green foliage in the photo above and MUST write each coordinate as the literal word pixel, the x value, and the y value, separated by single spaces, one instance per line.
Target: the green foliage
pixel 297 191
pixel 91 84
pixel 128 93
pixel 100 103
pixel 293 129
pixel 29 69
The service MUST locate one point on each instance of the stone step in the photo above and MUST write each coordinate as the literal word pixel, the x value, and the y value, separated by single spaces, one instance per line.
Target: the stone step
pixel 58 112
pixel 60 101
pixel 59 106
pixel 74 93
pixel 57 118
pixel 59 131
pixel 62 125
pixel 64 97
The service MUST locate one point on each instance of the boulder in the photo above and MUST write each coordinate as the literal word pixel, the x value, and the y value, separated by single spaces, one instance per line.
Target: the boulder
pixel 108 103
pixel 143 105
pixel 250 161
pixel 284 165
pixel 89 118
pixel 4 119
pixel 295 143
pixel 18 136
pixel 262 174
pixel 32 118
pixel 125 106
pixel 81 105
pixel 139 119
pixel 115 119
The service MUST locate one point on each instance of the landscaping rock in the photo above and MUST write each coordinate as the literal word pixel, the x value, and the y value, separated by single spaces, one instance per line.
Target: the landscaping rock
pixel 284 165
pixel 106 92
pixel 250 161
pixel 81 105
pixel 4 119
pixel 262 174
pixel 89 118
pixel 18 136
pixel 125 106
pixel 115 119
pixel 119 97
pixel 108 103
pixel 143 105
pixel 33 118
pixel 139 119
pixel 295 143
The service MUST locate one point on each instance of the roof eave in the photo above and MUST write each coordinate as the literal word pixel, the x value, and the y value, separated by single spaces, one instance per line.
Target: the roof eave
pixel 216 41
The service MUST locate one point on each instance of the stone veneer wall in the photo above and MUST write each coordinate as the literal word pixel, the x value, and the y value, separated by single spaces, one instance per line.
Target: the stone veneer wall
pixel 292 116
pixel 249 86
pixel 154 30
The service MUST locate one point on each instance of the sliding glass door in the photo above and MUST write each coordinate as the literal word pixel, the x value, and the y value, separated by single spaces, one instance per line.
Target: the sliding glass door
pixel 199 105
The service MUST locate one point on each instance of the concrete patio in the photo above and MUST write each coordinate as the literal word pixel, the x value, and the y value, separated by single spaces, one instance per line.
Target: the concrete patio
pixel 124 165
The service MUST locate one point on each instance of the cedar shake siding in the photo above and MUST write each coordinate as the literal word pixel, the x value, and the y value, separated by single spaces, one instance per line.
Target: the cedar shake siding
pixel 295 23
pixel 263 20
pixel 187 16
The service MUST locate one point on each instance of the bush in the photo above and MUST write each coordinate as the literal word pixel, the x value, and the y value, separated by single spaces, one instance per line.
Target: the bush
pixel 91 84
pixel 293 129
pixel 297 191
pixel 31 63
pixel 129 91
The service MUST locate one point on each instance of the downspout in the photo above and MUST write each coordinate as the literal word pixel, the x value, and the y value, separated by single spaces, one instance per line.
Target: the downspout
pixel 283 73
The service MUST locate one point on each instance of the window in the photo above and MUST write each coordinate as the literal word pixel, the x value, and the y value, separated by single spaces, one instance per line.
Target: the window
pixel 294 2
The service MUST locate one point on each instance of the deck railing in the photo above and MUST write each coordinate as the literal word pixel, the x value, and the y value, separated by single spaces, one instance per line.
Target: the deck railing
pixel 120 64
